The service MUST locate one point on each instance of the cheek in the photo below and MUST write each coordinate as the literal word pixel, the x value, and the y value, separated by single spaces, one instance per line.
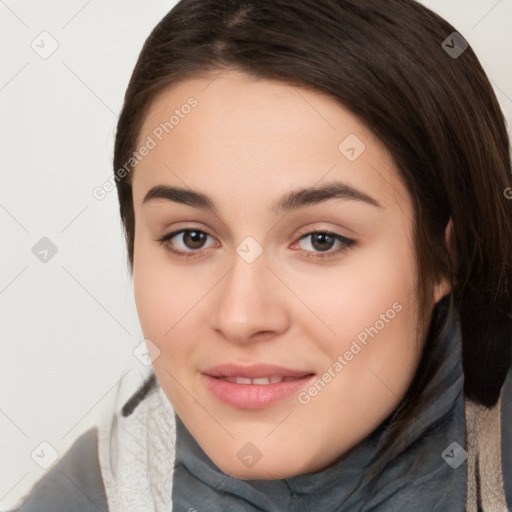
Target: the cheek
pixel 161 298
pixel 378 343
pixel 349 298
pixel 369 307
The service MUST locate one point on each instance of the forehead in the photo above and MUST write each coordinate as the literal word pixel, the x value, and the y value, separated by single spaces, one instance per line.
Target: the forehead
pixel 258 132
pixel 254 106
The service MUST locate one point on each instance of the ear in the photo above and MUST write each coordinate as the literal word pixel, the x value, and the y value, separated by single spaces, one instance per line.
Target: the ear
pixel 444 286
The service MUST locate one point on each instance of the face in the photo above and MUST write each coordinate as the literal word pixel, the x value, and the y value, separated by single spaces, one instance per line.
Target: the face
pixel 239 262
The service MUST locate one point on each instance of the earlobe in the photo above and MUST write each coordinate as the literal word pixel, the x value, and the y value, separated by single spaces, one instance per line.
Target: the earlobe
pixel 444 286
pixel 441 289
pixel 449 240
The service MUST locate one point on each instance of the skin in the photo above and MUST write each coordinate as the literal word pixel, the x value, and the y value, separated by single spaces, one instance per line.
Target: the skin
pixel 247 143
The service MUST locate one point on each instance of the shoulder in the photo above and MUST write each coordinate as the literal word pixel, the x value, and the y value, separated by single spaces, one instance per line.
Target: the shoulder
pixel 73 484
pixel 506 436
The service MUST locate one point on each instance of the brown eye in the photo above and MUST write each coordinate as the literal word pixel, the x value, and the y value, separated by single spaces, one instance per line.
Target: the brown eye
pixel 194 239
pixel 322 241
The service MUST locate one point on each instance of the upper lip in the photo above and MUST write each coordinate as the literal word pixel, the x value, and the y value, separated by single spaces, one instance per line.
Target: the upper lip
pixel 253 371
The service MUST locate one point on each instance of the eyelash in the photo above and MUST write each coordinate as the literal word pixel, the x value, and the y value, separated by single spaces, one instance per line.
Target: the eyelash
pixel 346 243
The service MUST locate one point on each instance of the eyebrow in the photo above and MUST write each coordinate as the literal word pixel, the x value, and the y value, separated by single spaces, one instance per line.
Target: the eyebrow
pixel 292 200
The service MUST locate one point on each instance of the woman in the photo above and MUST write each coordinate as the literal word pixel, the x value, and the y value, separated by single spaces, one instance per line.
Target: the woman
pixel 314 196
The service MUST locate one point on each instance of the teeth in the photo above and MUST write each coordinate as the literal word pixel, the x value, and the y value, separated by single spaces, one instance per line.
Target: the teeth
pixel 259 380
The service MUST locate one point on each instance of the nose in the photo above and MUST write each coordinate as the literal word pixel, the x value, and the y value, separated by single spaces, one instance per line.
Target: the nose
pixel 250 303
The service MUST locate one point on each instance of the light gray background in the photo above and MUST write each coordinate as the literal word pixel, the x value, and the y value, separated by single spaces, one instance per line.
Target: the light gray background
pixel 69 326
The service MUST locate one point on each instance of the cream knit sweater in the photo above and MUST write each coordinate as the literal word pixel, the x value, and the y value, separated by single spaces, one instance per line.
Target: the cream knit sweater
pixel 484 464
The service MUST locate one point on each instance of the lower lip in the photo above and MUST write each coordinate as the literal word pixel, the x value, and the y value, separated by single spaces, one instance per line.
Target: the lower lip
pixel 254 396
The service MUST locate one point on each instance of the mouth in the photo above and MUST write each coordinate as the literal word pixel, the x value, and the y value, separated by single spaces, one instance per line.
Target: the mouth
pixel 254 387
pixel 275 379
pixel 254 371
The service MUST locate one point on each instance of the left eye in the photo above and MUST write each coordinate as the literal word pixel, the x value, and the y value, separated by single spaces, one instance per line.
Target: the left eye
pixel 193 240
pixel 323 241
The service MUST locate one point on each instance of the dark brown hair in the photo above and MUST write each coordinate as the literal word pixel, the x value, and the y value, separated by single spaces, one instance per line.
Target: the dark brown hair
pixel 437 115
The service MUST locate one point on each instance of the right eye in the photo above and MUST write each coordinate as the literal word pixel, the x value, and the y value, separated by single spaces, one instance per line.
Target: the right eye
pixel 192 240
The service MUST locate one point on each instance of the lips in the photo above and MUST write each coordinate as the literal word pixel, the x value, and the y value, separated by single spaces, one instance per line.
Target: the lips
pixel 254 396
pixel 256 386
pixel 261 373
